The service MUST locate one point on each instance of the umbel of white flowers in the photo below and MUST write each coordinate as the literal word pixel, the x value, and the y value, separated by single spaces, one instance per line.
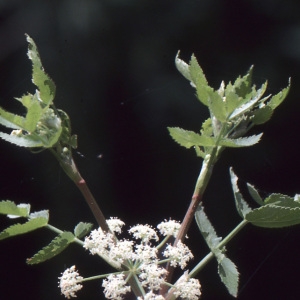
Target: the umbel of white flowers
pixel 136 258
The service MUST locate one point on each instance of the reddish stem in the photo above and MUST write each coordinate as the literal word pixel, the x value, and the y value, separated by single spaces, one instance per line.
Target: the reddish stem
pixel 90 200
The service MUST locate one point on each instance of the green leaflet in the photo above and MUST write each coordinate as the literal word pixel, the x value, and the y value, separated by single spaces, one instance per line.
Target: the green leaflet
pixel 229 275
pixel 196 72
pixel 10 118
pixel 188 139
pixel 282 200
pixel 183 67
pixel 82 229
pixel 18 229
pixel 241 205
pixel 277 210
pixel 246 106
pixel 43 82
pixel 22 141
pixel 56 246
pixel 262 115
pixel 217 105
pixel 277 99
pixel 8 207
pixel 242 85
pixel 41 127
pixel 241 142
pixel 254 194
pixel 226 268
pixel 274 216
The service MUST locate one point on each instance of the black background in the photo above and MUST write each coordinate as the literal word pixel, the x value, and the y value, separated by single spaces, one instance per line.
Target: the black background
pixel 113 64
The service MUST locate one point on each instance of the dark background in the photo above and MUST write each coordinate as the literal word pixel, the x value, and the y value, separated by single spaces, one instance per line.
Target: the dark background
pixel 113 64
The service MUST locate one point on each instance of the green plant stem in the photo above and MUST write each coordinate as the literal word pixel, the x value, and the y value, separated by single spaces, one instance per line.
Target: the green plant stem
pixel 210 255
pixel 58 231
pixel 223 243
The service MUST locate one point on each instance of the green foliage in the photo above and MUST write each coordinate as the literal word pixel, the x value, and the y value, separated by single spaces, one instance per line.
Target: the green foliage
pixel 56 246
pixel 276 210
pixel 43 126
pixel 45 85
pixel 241 205
pixel 274 216
pixel 189 139
pixel 82 229
pixel 234 110
pixel 226 268
pixel 18 229
pixel 9 208
pixel 35 220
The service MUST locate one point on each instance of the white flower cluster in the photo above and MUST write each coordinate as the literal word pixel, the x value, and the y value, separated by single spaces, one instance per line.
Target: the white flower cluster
pixel 139 259
pixel 69 282
pixel 187 288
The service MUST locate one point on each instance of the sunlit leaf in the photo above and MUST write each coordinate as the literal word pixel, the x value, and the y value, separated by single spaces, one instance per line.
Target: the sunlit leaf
pixel 43 82
pixel 229 275
pixel 241 142
pixel 56 246
pixel 246 106
pixel 187 138
pixel 226 268
pixel 8 207
pixel 262 115
pixel 274 216
pixel 241 205
pixel 242 85
pixel 82 229
pixel 282 200
pixel 22 141
pixel 277 99
pixel 182 67
pixel 18 229
pixel 254 194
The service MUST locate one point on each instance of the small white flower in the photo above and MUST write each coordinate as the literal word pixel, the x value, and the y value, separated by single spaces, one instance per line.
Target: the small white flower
pixel 152 276
pixel 179 255
pixel 143 232
pixel 98 242
pixel 115 286
pixel 151 296
pixel 69 282
pixel 170 227
pixel 187 288
pixel 121 251
pixel 115 225
pixel 145 253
